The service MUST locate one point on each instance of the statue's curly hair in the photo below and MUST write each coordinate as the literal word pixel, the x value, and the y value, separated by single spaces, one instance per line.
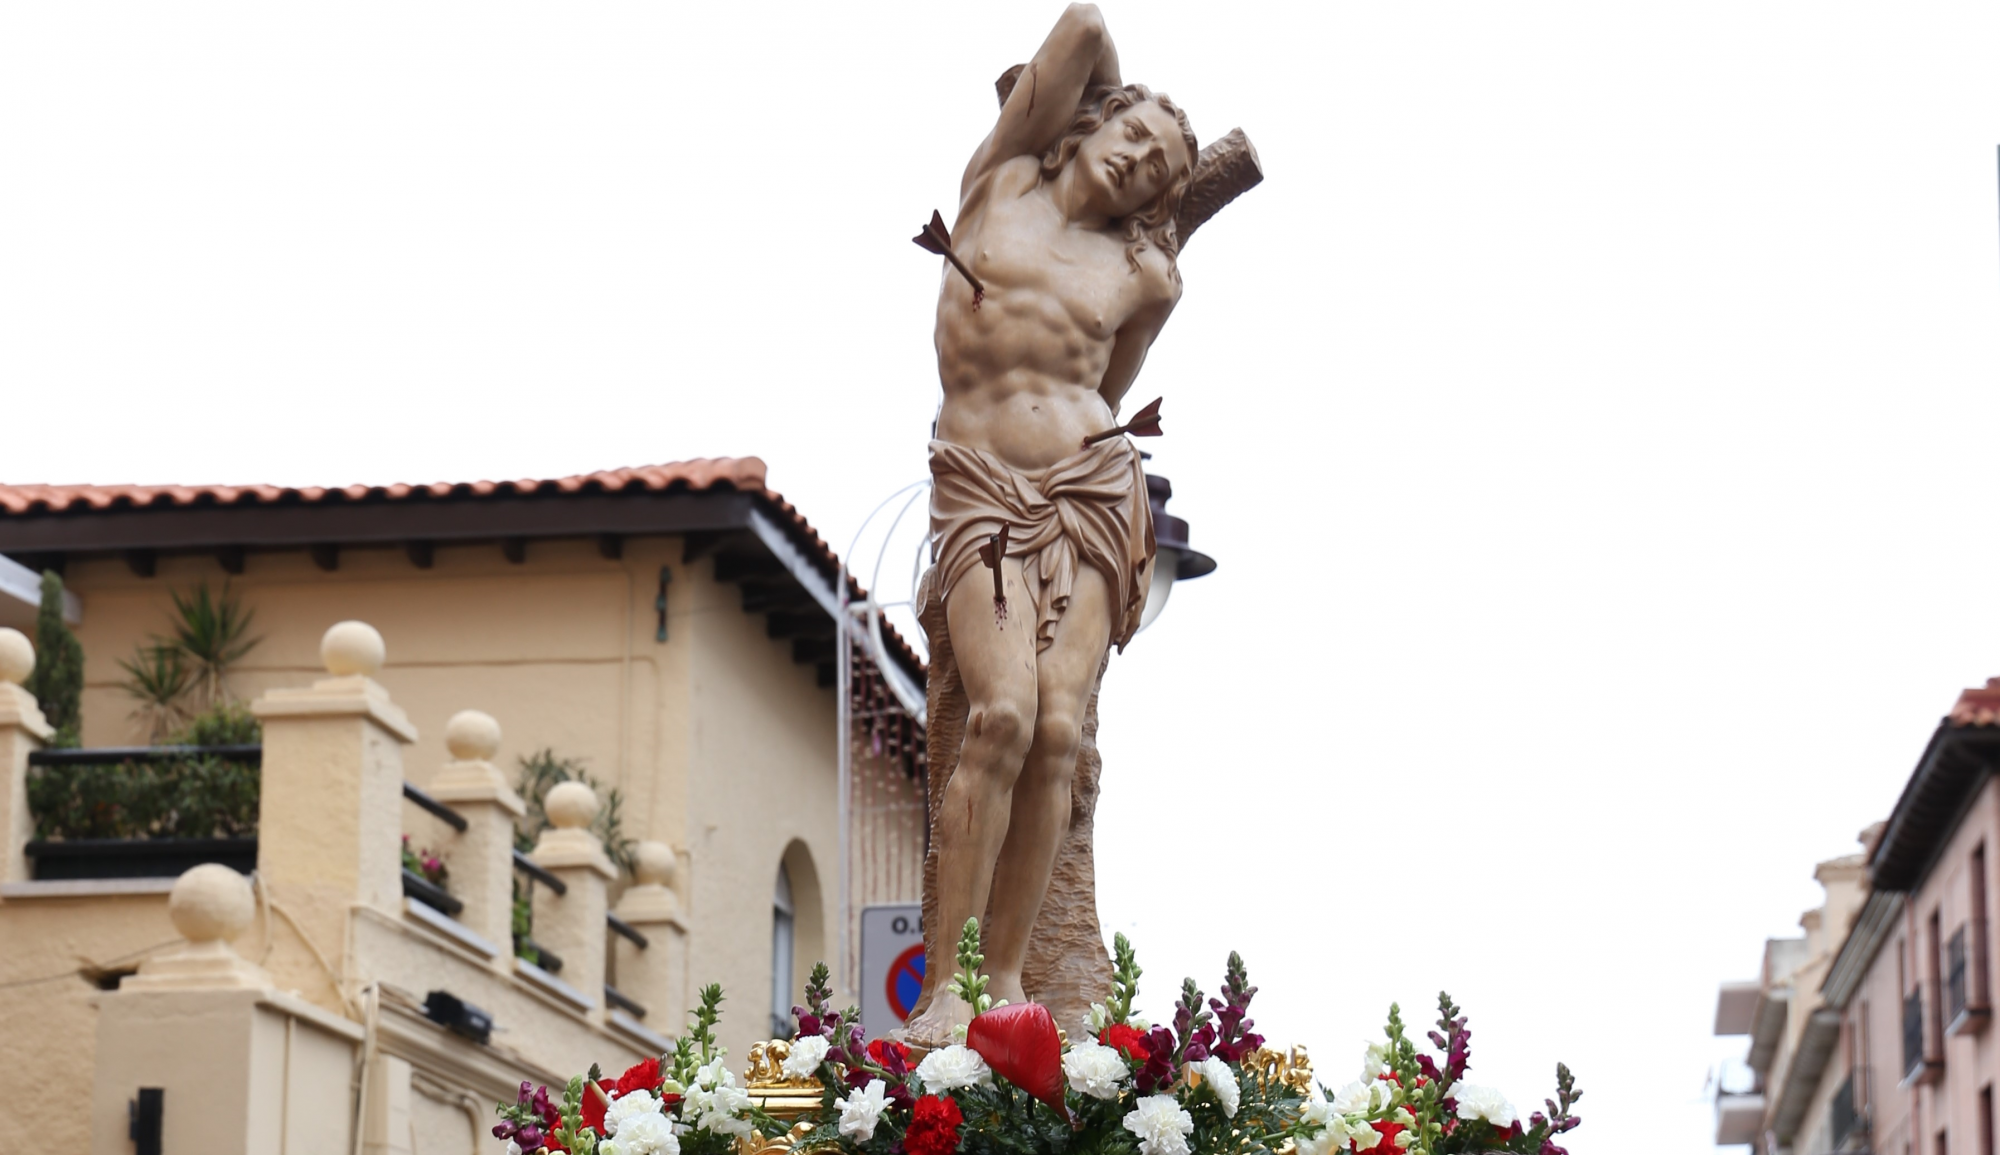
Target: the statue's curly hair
pixel 1153 224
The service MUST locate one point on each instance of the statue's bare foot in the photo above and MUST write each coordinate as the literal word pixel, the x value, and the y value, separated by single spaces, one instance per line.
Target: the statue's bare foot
pixel 1006 988
pixel 936 1027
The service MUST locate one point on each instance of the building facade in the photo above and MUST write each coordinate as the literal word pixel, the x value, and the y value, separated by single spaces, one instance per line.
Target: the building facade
pixel 1895 1055
pixel 669 628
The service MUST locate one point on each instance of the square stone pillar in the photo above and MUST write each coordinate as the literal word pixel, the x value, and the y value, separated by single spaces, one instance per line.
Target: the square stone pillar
pixel 572 924
pixel 245 1069
pixel 655 976
pixel 331 812
pixel 482 856
pixel 22 729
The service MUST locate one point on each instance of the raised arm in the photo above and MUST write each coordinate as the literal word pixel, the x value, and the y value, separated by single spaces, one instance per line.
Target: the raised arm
pixel 1077 56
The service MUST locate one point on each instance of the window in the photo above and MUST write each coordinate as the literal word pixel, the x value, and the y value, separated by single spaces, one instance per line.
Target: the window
pixel 781 957
pixel 1986 1120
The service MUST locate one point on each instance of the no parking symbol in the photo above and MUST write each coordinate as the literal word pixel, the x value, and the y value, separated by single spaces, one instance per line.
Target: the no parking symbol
pixel 892 965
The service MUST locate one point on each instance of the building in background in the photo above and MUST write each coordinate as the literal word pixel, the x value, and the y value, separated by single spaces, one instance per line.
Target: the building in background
pixel 1872 1033
pixel 668 628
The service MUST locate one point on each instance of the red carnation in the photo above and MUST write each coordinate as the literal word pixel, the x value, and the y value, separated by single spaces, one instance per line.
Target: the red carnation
pixel 880 1050
pixel 933 1126
pixel 642 1076
pixel 1126 1040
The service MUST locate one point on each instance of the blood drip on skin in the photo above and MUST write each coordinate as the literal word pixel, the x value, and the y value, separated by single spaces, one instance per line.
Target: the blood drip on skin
pixel 999 612
pixel 978 295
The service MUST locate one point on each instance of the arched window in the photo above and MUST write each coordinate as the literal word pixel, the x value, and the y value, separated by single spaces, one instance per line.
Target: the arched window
pixel 781 956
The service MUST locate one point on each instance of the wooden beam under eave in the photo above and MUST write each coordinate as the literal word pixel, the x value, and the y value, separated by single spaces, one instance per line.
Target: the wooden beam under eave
pixel 230 558
pixel 144 562
pixel 326 557
pixel 610 546
pixel 423 554
pixel 514 549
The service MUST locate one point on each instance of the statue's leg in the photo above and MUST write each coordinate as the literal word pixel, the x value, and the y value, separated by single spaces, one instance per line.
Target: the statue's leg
pixel 1066 675
pixel 996 664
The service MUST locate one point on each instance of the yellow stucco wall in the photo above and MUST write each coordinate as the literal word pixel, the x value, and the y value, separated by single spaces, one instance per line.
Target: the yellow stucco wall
pixel 721 744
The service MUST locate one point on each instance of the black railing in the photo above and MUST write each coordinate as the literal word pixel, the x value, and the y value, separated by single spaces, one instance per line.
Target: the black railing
pixel 539 873
pixel 1847 1114
pixel 1954 977
pixel 109 755
pixel 436 809
pixel 620 927
pixel 430 893
pixel 1913 1032
pixel 613 996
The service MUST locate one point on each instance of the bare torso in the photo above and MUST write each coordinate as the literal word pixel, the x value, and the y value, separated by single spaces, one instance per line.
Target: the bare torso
pixel 1041 363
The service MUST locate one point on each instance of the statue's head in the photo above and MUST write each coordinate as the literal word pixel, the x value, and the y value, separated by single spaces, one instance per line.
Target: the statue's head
pixel 1134 154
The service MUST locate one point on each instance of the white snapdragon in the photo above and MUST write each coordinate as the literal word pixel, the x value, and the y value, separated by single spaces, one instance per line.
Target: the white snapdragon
pixel 648 1134
pixel 629 1107
pixel 513 1148
pixel 1099 1019
pixel 1217 1075
pixel 949 1068
pixel 1482 1103
pixel 1095 1070
pixel 1363 1098
pixel 715 1103
pixel 805 1057
pixel 1375 1061
pixel 1161 1125
pixel 862 1109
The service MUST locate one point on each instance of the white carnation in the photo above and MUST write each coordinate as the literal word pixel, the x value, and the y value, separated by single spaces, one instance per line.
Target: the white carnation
pixel 1482 1103
pixel 1217 1075
pixel 1094 1070
pixel 862 1109
pixel 647 1134
pixel 513 1148
pixel 949 1068
pixel 1161 1125
pixel 806 1055
pixel 629 1107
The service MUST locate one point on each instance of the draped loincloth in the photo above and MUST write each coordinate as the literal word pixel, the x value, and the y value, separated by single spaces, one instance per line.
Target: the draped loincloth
pixel 1087 509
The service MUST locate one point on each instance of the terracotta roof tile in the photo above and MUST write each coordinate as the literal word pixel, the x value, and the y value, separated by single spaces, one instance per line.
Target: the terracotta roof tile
pixel 1978 707
pixel 742 474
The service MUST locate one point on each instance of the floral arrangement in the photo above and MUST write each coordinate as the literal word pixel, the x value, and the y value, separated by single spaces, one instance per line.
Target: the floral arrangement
pixel 424 864
pixel 1012 1085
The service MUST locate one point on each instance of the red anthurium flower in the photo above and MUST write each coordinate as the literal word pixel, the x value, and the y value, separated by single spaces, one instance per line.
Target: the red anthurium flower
pixel 1019 1041
pixel 934 1123
pixel 1126 1040
pixel 642 1076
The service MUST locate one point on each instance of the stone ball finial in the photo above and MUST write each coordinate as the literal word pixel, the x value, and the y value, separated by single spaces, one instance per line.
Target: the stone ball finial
pixel 570 805
pixel 653 864
pixel 472 736
pixel 352 648
pixel 17 657
pixel 211 903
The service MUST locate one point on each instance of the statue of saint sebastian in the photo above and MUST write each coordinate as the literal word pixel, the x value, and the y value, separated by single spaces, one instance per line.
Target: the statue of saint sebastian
pixel 1067 217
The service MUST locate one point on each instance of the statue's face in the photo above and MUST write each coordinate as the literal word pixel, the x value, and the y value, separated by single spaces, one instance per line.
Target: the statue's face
pixel 1131 159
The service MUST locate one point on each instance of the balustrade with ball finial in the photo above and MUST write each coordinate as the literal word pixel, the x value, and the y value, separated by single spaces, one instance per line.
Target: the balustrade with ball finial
pixel 23 730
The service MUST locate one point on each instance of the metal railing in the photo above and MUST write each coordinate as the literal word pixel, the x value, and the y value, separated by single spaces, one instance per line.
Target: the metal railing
pixel 1847 1115
pixel 252 755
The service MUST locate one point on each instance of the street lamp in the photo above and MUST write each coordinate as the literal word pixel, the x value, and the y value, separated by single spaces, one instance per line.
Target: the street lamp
pixel 1176 560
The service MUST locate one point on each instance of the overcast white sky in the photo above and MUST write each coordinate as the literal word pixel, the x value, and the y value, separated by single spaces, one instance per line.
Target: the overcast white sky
pixel 1593 413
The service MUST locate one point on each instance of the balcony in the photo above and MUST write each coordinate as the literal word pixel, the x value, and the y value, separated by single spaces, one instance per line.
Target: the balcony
pixel 1967 1005
pixel 1847 1116
pixel 1921 1063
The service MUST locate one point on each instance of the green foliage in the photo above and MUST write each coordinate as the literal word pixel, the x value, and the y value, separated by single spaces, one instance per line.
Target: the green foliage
pixel 968 983
pixel 524 925
pixel 574 1137
pixel 157 675
pixel 57 682
pixel 200 796
pixel 1125 974
pixel 209 631
pixel 541 772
